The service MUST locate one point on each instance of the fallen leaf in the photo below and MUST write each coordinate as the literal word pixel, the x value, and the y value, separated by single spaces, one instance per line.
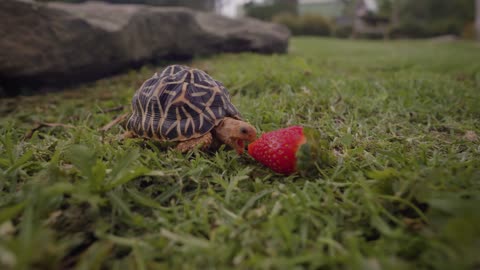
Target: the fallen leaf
pixel 471 136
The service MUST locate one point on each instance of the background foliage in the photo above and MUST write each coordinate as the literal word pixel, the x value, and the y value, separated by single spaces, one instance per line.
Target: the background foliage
pixel 409 18
pixel 434 17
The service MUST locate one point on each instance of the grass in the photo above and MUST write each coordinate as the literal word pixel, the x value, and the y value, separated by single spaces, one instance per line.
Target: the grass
pixel 401 116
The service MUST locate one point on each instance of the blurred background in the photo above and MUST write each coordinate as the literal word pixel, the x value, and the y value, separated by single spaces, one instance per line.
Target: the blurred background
pixel 346 18
pixel 369 18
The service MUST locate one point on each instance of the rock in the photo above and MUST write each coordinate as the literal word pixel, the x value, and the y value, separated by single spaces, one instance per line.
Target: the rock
pixel 58 44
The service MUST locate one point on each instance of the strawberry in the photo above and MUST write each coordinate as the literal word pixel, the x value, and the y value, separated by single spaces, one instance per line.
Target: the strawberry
pixel 277 149
pixel 293 149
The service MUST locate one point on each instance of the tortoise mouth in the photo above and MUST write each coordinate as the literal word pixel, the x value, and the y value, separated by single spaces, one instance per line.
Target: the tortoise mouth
pixel 240 146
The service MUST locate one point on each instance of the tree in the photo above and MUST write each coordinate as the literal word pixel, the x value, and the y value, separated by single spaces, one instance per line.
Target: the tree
pixel 434 17
pixel 438 9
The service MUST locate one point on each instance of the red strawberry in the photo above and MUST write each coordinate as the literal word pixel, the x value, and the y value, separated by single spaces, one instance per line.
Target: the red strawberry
pixel 277 149
pixel 294 149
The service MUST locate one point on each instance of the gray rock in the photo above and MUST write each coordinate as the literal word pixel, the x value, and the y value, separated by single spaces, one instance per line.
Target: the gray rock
pixel 58 44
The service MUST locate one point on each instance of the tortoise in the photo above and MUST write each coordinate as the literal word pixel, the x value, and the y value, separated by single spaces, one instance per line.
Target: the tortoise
pixel 186 105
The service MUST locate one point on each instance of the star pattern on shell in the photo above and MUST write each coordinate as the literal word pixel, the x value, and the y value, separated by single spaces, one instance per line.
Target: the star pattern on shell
pixel 179 104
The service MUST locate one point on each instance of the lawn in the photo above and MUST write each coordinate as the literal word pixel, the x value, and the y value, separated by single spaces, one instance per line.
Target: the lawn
pixel 401 117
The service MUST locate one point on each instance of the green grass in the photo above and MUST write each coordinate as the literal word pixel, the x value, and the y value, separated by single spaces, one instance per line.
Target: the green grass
pixel 404 192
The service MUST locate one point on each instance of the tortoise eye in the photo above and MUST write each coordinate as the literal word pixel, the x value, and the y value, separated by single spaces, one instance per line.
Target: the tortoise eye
pixel 243 130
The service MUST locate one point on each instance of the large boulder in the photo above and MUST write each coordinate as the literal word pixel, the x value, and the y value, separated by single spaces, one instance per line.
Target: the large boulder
pixel 57 44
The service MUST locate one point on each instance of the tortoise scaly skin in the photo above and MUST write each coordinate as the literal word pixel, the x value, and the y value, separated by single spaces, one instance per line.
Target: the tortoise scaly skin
pixel 187 106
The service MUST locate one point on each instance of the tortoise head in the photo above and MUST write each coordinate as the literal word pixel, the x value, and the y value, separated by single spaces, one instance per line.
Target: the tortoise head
pixel 235 132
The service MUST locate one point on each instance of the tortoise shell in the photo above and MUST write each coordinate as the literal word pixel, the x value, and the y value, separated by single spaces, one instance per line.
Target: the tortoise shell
pixel 179 104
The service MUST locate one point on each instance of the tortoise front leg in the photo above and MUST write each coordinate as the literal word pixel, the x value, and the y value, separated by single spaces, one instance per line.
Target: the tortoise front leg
pixel 127 135
pixel 202 142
